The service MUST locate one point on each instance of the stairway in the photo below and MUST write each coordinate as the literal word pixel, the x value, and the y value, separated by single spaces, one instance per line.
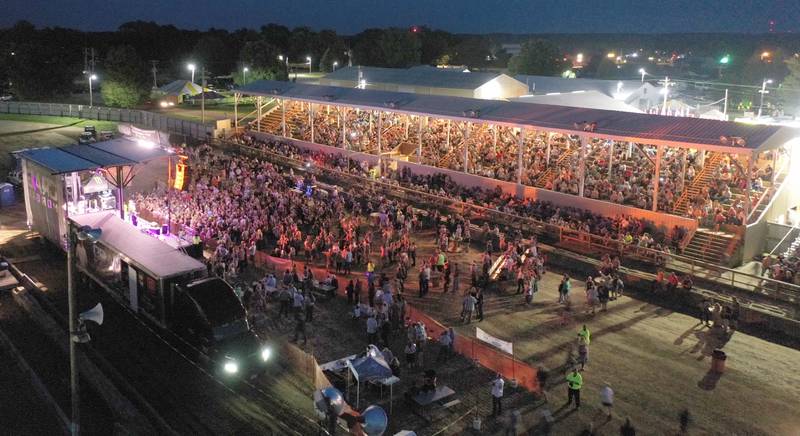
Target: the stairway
pixel 709 246
pixel 553 170
pixel 701 180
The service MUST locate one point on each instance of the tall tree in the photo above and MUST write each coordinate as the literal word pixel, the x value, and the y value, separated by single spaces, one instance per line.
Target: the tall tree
pixel 538 57
pixel 399 48
pixel 789 92
pixel 261 59
pixel 125 82
pixel 38 71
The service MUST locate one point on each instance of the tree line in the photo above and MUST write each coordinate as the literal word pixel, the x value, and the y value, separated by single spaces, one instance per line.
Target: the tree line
pixel 46 63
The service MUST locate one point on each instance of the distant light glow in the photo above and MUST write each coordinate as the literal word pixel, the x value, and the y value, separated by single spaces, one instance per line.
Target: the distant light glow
pixel 725 59
pixel 611 55
pixel 145 143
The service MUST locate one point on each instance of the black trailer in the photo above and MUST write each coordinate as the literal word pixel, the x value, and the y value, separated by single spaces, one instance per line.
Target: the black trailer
pixel 171 289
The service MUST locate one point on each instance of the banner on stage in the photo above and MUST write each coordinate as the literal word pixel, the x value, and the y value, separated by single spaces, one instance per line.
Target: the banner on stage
pixel 508 347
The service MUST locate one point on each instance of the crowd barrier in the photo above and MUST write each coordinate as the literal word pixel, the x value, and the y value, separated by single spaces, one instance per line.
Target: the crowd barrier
pixel 483 354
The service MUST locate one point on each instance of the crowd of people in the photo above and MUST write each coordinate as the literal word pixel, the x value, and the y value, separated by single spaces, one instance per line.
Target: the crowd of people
pixel 629 230
pixel 618 172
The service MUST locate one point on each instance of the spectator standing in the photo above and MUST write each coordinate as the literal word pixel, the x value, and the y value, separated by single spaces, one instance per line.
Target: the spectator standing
pixel 607 399
pixel 497 395
pixel 574 385
pixel 372 329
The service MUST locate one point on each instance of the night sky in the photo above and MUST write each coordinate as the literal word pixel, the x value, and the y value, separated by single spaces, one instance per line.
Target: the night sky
pixel 467 16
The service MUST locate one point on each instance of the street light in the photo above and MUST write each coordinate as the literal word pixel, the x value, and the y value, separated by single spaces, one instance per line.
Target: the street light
pixel 335 64
pixel 244 75
pixel 642 72
pixel 762 92
pixel 191 68
pixel 92 78
pixel 308 59
pixel 91 236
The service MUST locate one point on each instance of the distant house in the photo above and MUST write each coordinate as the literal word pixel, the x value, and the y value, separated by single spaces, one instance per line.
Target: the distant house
pixel 429 80
pixel 633 92
pixel 177 91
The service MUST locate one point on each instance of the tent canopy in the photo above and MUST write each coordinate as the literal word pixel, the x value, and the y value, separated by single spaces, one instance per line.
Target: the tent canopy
pixel 180 87
pixel 369 367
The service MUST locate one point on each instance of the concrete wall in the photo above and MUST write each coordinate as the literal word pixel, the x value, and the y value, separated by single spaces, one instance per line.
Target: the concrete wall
pixel 663 220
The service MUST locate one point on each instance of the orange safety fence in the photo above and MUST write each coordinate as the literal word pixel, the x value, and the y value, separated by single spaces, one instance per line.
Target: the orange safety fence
pixel 484 354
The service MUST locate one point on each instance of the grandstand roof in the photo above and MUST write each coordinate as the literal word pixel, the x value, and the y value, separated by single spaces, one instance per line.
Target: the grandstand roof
pixel 579 99
pixel 422 75
pixel 106 154
pixel 623 126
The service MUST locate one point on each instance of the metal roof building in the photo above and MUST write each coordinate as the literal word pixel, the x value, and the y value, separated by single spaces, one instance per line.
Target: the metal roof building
pixel 428 80
pixel 614 125
pixel 579 99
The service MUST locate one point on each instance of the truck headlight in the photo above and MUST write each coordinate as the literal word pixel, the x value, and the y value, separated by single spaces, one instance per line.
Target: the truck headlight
pixel 266 353
pixel 231 367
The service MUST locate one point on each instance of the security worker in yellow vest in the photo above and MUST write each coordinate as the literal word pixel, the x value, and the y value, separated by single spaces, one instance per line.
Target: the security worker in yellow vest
pixel 584 336
pixel 574 385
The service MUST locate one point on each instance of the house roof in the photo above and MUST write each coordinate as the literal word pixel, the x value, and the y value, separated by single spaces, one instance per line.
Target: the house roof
pixel 77 157
pixel 418 76
pixel 553 84
pixel 156 257
pixel 579 99
pixel 654 129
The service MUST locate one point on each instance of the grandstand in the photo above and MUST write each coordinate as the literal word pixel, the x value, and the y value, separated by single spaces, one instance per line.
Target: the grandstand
pixel 722 181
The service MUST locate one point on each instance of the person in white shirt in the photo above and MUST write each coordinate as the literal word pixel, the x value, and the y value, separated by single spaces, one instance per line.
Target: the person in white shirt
pixel 497 395
pixel 372 329
pixel 607 398
pixel 445 343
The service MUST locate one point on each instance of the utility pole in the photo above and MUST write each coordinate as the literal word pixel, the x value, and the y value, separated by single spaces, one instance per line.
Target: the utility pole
pixel 725 107
pixel 666 93
pixel 154 70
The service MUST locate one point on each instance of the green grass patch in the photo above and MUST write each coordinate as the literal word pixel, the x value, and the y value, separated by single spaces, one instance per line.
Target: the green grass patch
pixel 60 121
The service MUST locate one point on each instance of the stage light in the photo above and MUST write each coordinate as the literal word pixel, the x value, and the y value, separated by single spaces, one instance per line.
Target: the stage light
pixel 145 143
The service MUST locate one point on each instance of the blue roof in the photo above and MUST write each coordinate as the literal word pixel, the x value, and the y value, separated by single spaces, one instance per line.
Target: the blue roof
pixel 57 160
pixel 114 153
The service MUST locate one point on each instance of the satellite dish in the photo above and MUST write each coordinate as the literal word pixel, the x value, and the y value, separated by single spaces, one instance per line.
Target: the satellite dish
pixel 375 420
pixel 94 314
pixel 328 400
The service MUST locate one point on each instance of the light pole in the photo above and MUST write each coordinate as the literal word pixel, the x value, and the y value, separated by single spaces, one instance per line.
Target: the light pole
pixel 75 336
pixel 642 72
pixel 244 75
pixel 191 68
pixel 308 59
pixel 92 78
pixel 335 64
pixel 762 92
pixel 203 94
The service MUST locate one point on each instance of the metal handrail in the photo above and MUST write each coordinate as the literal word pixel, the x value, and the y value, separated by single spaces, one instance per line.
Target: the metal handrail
pixel 774 195
pixel 738 279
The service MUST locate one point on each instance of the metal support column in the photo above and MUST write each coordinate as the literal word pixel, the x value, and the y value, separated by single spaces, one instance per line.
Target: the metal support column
pixel 311 119
pixel 258 109
pixel 494 140
pixel 73 327
pixel 344 127
pixel 380 136
pixel 520 145
pixel 236 110
pixel 283 117
pixel 610 157
pixel 582 165
pixel 659 151
pixel 419 141
pixel 548 140
pixel 748 202
pixel 466 147
pixel 683 168
pixel 448 135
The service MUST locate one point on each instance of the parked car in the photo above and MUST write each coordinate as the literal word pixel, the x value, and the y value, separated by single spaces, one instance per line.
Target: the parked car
pixel 87 138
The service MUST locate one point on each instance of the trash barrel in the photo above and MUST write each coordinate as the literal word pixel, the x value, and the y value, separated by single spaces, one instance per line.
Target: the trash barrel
pixel 718 358
pixel 7 197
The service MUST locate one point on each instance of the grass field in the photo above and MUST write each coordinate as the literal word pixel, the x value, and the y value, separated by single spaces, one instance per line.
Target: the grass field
pixel 58 121
pixel 18 132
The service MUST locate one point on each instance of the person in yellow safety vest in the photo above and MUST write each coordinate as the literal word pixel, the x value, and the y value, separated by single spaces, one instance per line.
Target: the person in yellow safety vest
pixel 584 336
pixel 370 271
pixel 574 385
pixel 440 261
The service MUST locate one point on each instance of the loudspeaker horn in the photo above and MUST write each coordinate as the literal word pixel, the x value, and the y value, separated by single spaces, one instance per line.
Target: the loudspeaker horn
pixel 94 314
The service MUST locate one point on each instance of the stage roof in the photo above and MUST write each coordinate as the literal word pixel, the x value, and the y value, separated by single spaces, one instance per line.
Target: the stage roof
pixel 156 257
pixel 622 126
pixel 106 154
